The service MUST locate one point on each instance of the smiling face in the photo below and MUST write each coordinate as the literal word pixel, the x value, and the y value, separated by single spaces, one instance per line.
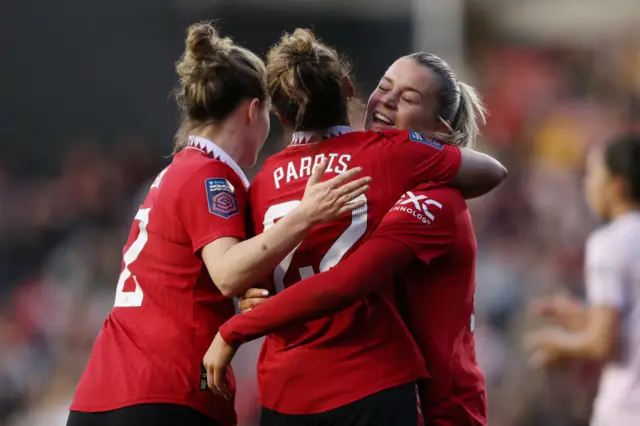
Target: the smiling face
pixel 404 99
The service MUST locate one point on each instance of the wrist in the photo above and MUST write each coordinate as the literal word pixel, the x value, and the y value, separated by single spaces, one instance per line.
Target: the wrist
pixel 229 336
pixel 302 219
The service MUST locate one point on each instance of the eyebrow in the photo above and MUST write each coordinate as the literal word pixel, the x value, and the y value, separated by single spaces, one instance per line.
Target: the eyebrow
pixel 409 88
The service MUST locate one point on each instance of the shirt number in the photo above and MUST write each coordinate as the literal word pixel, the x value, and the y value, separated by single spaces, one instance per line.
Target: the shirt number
pixel 349 237
pixel 133 299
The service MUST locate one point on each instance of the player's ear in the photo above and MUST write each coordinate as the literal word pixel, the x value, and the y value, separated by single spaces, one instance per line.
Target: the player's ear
pixel 253 110
pixel 348 85
pixel 618 186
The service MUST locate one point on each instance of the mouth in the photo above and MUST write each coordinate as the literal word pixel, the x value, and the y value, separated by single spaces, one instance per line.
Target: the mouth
pixel 382 120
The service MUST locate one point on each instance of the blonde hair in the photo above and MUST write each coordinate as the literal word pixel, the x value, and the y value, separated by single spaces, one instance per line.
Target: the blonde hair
pixel 460 107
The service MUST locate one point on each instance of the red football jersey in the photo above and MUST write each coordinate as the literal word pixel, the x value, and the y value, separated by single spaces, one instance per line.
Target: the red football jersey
pixel 330 362
pixel 167 310
pixel 436 299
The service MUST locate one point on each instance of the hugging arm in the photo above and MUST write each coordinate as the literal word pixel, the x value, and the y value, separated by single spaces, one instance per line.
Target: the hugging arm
pixel 478 174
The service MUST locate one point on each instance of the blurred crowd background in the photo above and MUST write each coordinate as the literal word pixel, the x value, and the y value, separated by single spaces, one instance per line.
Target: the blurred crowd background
pixel 86 121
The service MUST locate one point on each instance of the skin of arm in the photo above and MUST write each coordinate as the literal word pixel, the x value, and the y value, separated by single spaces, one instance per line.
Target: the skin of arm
pixel 478 174
pixel 596 340
pixel 235 265
pixel 597 337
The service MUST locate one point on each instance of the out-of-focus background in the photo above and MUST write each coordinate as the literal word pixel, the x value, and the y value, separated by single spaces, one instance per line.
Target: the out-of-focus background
pixel 86 120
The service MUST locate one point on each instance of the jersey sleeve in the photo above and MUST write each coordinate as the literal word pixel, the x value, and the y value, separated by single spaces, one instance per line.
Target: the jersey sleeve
pixel 423 158
pixel 604 271
pixel 212 205
pixel 424 221
pixel 371 266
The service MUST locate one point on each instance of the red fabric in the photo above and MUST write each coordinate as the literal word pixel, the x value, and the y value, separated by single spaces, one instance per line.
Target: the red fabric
pixel 430 227
pixel 372 266
pixel 152 353
pixel 348 346
pixel 436 299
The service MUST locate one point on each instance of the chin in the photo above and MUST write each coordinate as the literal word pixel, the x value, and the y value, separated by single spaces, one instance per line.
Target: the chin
pixel 250 162
pixel 599 214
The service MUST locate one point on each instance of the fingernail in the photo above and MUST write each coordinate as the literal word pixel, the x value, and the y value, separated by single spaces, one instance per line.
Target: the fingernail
pixel 265 292
pixel 247 310
pixel 369 179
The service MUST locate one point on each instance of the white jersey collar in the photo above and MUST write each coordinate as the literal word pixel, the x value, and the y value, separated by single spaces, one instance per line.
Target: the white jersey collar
pixel 302 138
pixel 212 150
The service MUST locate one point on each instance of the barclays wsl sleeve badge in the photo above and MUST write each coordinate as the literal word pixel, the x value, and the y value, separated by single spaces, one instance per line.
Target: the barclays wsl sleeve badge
pixel 419 137
pixel 221 198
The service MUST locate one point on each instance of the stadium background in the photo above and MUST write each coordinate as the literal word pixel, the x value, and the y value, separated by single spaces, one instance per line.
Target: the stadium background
pixel 86 120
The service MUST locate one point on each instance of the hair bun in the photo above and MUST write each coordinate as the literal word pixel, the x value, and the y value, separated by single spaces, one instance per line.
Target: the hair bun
pixel 205 51
pixel 204 43
pixel 215 77
pixel 300 46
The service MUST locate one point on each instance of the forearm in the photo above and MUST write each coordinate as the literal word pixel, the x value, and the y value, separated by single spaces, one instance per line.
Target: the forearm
pixel 478 174
pixel 567 345
pixel 597 337
pixel 251 260
pixel 581 345
pixel 371 267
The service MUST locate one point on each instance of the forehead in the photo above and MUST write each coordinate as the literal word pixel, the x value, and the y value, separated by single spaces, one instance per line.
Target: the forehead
pixel 408 73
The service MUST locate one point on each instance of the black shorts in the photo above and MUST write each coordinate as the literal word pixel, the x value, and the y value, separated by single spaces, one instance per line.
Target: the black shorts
pixel 391 407
pixel 143 415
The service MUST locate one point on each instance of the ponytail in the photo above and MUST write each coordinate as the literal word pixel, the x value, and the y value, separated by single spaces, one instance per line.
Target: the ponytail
pixel 465 125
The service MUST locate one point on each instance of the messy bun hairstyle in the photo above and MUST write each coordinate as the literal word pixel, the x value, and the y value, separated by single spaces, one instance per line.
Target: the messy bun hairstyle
pixel 306 81
pixel 215 76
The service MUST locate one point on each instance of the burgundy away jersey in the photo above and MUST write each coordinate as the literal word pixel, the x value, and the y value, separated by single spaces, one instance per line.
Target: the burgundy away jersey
pixel 323 364
pixel 167 310
pixel 436 298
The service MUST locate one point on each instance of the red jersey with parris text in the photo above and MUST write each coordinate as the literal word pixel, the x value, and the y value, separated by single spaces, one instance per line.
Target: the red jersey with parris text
pixel 330 362
pixel 436 298
pixel 167 310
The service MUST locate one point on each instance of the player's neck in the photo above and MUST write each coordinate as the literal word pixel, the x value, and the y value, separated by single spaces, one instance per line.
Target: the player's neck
pixel 313 136
pixel 226 137
pixel 623 208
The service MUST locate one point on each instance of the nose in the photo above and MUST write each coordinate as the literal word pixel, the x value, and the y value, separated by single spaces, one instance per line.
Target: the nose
pixel 389 100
